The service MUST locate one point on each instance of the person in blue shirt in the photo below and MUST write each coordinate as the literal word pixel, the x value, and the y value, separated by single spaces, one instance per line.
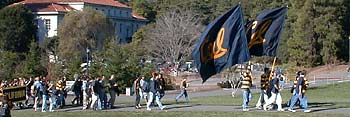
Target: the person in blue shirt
pixel 300 90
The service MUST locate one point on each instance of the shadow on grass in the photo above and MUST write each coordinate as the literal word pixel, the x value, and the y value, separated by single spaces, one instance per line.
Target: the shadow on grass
pixel 320 104
pixel 322 109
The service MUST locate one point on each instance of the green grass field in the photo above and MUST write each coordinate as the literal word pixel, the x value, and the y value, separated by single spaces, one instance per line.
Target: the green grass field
pixel 336 95
pixel 329 96
pixel 171 114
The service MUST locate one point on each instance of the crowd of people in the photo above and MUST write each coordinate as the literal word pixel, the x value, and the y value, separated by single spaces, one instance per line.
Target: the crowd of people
pixel 270 91
pixel 100 93
pixel 97 93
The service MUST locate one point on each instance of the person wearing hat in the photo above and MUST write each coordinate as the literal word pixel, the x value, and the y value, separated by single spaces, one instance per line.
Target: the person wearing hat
pixel 300 90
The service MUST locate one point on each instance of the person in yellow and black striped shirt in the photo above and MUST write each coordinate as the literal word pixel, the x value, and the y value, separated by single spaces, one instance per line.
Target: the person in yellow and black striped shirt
pixel 246 81
pixel 264 84
pixel 60 92
pixel 275 94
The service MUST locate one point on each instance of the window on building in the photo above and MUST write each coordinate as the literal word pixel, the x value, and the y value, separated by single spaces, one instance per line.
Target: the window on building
pixel 127 32
pixel 47 25
pixel 109 12
pixel 120 13
pixel 115 12
pixel 120 27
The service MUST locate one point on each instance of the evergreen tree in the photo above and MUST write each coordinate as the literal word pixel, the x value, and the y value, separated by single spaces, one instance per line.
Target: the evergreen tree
pixel 17 29
pixel 32 66
pixel 302 45
pixel 328 28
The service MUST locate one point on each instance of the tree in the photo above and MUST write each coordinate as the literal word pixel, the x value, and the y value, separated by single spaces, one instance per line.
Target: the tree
pixel 302 45
pixel 8 62
pixel 4 3
pixel 328 28
pixel 17 29
pixel 172 37
pixel 145 8
pixel 79 31
pixel 32 66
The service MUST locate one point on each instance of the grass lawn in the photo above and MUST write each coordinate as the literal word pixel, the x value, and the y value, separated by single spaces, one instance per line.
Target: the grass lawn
pixel 337 95
pixel 329 96
pixel 170 114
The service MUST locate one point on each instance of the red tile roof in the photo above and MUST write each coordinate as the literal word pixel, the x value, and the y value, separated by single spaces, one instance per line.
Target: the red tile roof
pixel 138 16
pixel 49 7
pixel 100 2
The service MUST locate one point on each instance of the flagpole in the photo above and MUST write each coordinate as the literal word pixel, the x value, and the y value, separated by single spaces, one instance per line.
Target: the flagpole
pixel 273 66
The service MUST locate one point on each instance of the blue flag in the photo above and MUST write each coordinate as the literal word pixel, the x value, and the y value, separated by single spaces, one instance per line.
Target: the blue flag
pixel 264 32
pixel 222 44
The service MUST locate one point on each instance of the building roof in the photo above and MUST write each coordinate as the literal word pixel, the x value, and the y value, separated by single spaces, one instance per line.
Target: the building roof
pixel 55 6
pixel 49 7
pixel 138 16
pixel 100 2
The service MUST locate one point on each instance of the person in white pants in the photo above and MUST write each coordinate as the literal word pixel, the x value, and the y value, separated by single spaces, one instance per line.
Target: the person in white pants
pixel 154 93
pixel 275 94
pixel 96 88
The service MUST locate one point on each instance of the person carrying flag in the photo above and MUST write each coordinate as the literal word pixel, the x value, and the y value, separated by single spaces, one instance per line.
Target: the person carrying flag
pixel 275 94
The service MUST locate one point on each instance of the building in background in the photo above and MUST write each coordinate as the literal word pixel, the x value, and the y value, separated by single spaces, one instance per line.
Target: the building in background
pixel 49 14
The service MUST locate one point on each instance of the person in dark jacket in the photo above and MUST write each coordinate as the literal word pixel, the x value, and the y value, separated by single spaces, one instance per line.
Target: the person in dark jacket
pixel 154 88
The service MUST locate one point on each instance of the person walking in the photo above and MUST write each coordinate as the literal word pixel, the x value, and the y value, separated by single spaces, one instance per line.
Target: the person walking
pixel 112 91
pixel 103 93
pixel 96 90
pixel 154 92
pixel 60 92
pixel 246 80
pixel 275 94
pixel 183 90
pixel 29 83
pixel 38 92
pixel 162 84
pixel 264 84
pixel 45 92
pixel 137 92
pixel 77 89
pixel 300 89
pixel 86 92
